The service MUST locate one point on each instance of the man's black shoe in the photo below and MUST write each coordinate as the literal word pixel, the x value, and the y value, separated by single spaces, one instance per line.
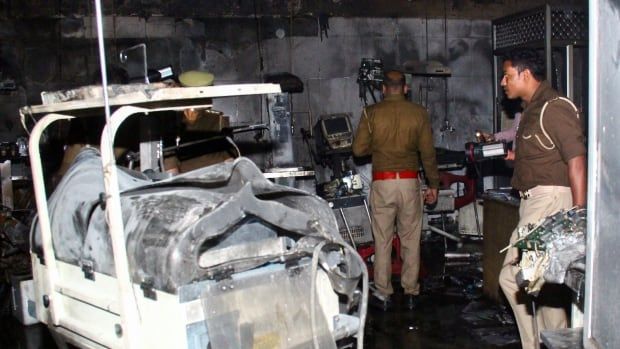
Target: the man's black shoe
pixel 411 301
pixel 382 303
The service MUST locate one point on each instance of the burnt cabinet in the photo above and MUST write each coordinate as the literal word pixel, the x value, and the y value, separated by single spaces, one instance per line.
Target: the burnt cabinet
pixel 500 219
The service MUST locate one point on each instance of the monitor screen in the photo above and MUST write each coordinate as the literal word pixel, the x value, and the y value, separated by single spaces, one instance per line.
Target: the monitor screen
pixel 336 125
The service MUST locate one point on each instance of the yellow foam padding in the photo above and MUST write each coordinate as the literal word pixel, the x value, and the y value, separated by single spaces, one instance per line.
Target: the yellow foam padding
pixel 195 78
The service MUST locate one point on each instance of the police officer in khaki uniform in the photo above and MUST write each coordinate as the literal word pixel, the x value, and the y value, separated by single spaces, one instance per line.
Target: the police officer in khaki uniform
pixel 397 133
pixel 550 173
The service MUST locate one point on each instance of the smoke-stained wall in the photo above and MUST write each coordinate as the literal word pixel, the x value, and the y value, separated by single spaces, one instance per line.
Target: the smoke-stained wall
pixel 62 53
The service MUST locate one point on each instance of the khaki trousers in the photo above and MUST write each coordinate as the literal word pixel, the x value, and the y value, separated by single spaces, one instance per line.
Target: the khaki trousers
pixel 396 201
pixel 544 201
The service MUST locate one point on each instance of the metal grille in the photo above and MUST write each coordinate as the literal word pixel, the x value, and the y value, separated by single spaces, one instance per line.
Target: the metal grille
pixel 569 24
pixel 357 231
pixel 520 30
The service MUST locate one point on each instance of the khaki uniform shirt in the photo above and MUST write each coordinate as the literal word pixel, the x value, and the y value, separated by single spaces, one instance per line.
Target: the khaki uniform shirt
pixel 534 163
pixel 394 131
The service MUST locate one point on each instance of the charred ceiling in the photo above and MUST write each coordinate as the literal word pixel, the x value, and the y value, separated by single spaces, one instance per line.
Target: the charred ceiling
pixel 198 9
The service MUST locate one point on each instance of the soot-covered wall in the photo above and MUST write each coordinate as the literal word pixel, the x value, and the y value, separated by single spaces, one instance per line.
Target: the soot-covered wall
pixel 49 54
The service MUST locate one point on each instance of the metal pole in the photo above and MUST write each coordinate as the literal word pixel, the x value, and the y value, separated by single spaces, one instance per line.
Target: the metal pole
pixel 595 39
pixel 445 234
pixel 570 62
pixel 102 61
pixel 346 225
pixel 367 211
pixel 548 61
pixel 497 111
pixel 129 312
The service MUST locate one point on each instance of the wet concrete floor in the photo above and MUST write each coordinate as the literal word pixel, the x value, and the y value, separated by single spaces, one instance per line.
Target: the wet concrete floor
pixel 438 323
pixel 451 314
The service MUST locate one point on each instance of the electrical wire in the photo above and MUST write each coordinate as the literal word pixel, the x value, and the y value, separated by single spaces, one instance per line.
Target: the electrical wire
pixel 234 145
pixel 445 48
pixel 427 79
pixel 22 120
pixel 305 135
pixel 258 39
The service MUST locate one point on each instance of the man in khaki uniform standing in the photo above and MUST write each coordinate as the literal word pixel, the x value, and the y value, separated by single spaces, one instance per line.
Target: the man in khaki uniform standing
pixel 549 172
pixel 394 131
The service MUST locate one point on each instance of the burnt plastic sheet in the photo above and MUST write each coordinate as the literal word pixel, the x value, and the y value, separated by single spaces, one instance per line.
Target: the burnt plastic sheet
pixel 277 315
pixel 465 285
pixel 497 336
pixel 480 313
pixel 490 323
pixel 222 206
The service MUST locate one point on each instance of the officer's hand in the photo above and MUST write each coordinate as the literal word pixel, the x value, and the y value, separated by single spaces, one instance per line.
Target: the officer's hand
pixel 510 155
pixel 430 196
pixel 487 137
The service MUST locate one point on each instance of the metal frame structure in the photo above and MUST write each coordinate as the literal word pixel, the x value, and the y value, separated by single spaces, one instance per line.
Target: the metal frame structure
pixel 102 311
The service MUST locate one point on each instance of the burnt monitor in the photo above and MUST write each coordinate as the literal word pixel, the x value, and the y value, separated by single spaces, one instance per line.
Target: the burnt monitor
pixel 334 133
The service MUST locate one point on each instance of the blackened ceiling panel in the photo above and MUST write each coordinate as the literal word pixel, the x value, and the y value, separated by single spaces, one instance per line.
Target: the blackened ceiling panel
pixel 455 9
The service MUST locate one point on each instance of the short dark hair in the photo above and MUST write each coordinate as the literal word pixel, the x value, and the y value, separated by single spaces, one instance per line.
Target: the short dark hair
pixel 394 78
pixel 527 59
